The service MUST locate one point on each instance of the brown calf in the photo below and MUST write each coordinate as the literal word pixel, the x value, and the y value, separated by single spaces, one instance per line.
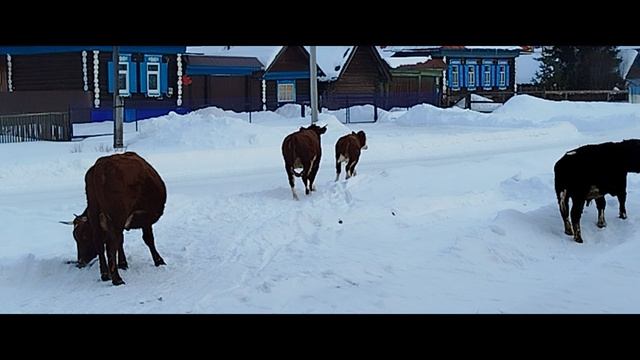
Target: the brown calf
pixel 348 150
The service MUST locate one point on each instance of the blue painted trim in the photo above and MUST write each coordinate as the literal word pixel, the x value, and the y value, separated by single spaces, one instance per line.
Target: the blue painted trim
pixel 33 50
pixel 282 75
pixel 164 78
pixel 131 74
pixel 457 64
pixel 220 70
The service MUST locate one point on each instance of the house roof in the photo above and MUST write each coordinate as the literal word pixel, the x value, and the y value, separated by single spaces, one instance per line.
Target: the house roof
pixel 627 58
pixel 399 51
pixel 264 54
pixel 33 50
pixel 331 60
pixel 634 70
pixel 222 65
pixel 224 61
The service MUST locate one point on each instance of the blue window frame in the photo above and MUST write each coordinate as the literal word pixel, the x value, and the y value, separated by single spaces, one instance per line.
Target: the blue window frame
pixel 153 75
pixel 503 74
pixel 453 74
pixel 487 74
pixel 127 75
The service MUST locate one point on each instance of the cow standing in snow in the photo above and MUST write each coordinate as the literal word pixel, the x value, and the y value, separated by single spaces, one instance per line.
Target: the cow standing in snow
pixel 589 173
pixel 123 192
pixel 302 150
pixel 348 151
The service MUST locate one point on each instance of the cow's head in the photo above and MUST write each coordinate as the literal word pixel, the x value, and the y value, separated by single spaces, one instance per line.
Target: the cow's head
pixel 317 129
pixel 362 138
pixel 84 238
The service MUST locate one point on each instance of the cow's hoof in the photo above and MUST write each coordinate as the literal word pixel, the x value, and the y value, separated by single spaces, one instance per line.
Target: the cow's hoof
pixel 568 231
pixel 117 282
pixel 105 277
pixel 601 225
pixel 80 265
pixel 159 262
pixel 578 240
pixel 123 266
pixel 623 216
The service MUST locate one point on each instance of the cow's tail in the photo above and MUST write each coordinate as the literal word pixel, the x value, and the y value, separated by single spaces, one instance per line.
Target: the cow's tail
pixel 292 155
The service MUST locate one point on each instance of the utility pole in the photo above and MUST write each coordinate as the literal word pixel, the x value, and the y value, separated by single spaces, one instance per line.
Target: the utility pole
pixel 314 86
pixel 118 102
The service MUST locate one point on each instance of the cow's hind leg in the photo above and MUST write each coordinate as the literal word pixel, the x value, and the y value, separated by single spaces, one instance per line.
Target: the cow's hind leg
pixel 622 198
pixel 147 236
pixel 601 203
pixel 563 202
pixel 289 170
pixel 338 166
pixel 351 166
pixel 315 165
pixel 576 213
pixel 122 259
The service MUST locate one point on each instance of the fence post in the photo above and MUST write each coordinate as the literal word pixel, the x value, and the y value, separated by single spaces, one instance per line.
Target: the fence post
pixel 375 108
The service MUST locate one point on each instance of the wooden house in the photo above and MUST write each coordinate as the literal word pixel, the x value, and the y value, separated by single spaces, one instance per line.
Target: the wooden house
pixel 79 79
pixel 228 82
pixel 354 75
pixel 485 70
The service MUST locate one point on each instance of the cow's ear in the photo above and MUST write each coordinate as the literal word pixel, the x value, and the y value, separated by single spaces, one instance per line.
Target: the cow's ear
pixel 353 133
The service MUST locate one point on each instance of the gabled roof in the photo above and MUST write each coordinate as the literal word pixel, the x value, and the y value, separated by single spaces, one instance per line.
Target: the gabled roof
pixel 627 58
pixel 634 70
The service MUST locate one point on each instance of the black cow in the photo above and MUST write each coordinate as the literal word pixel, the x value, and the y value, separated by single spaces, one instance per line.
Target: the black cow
pixel 302 149
pixel 589 173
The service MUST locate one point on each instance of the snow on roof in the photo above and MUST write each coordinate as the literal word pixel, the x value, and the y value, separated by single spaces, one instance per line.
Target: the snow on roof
pixel 526 66
pixel 495 47
pixel 409 60
pixel 265 54
pixel 331 60
pixel 628 56
pixel 394 49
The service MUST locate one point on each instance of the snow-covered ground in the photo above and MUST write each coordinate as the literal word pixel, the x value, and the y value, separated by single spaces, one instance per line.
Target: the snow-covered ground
pixel 452 211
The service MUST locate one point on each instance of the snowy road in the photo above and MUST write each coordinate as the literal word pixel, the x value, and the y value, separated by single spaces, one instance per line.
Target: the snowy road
pixel 438 220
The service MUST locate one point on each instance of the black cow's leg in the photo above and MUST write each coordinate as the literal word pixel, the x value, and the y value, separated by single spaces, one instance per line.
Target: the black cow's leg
pixel 601 203
pixel 622 198
pixel 289 170
pixel 147 236
pixel 338 167
pixel 563 202
pixel 576 213
pixel 122 259
pixel 113 244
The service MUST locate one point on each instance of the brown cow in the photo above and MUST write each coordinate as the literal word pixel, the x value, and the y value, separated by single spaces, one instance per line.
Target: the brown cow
pixel 302 149
pixel 348 150
pixel 123 192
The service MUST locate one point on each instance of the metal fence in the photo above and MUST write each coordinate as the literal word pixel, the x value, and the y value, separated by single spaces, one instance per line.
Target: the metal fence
pixel 55 126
